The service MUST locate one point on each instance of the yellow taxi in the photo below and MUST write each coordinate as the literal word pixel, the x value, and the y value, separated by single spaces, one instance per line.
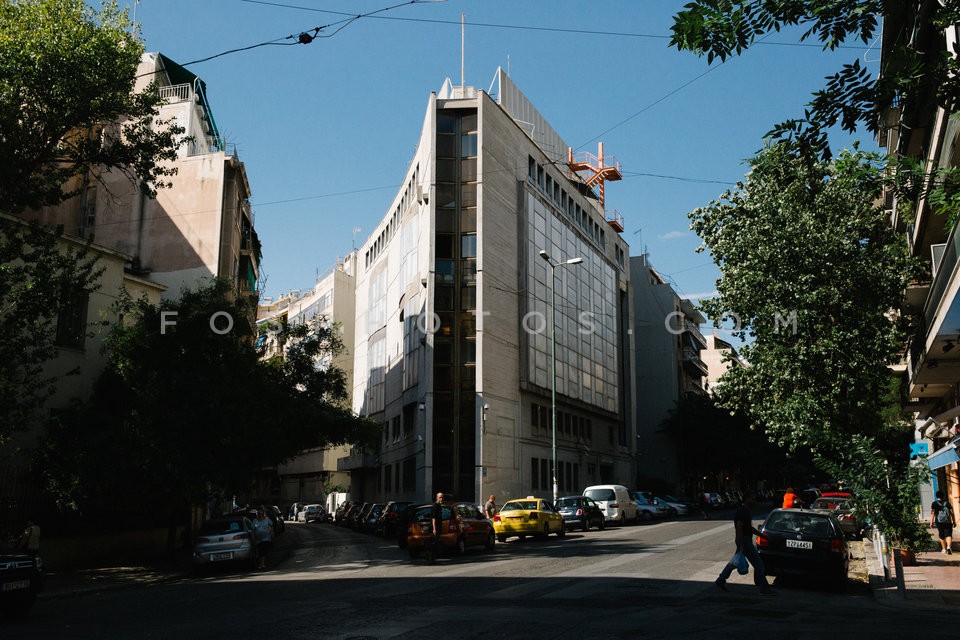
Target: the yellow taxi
pixel 528 516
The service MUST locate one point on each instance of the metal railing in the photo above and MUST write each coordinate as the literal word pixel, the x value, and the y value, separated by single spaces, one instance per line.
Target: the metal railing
pixel 176 93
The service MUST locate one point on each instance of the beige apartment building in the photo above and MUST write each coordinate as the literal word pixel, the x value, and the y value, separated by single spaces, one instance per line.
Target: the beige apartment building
pixel 454 344
pixel 311 475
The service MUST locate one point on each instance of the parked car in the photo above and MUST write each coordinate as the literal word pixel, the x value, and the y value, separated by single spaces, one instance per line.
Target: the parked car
pixel 463 525
pixel 581 512
pixel 310 513
pixel 369 524
pixel 804 542
pixel 682 507
pixel 843 511
pixel 224 540
pixel 342 510
pixel 615 502
pixel 21 579
pixel 649 508
pixel 389 523
pixel 528 516
pixel 358 516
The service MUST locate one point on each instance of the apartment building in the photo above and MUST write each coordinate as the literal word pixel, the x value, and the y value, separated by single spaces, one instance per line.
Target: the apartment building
pixel 309 477
pixel 454 344
pixel 668 367
pixel 919 127
pixel 719 356
pixel 199 228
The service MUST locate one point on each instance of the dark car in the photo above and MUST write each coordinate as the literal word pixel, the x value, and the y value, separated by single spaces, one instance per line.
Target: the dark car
pixel 342 511
pixel 389 524
pixel 21 579
pixel 357 516
pixel 580 511
pixel 369 524
pixel 804 542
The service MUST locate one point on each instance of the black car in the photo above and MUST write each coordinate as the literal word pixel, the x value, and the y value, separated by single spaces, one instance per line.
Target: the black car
pixel 389 524
pixel 370 519
pixel 580 511
pixel 21 579
pixel 804 542
pixel 357 515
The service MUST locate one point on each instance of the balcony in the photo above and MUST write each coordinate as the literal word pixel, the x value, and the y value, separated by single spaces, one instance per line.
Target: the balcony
pixel 357 460
pixel 177 93
pixel 692 362
pixel 615 220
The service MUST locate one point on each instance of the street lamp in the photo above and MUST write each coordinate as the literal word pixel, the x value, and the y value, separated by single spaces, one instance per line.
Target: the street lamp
pixel 553 356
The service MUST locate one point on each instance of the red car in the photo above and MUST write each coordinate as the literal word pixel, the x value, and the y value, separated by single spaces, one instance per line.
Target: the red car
pixel 463 525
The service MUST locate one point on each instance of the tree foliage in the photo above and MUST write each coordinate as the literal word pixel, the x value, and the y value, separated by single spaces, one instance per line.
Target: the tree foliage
pixel 67 105
pixel 38 275
pixel 853 96
pixel 810 268
pixel 186 408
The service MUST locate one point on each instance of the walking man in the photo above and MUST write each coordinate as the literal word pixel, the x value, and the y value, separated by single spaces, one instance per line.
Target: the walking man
pixel 436 519
pixel 490 509
pixel 743 524
pixel 941 515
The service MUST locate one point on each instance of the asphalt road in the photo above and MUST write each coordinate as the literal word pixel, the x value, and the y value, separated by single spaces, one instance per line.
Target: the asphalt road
pixel 651 581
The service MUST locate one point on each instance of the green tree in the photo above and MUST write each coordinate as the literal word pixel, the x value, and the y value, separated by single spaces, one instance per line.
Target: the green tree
pixel 67 105
pixel 39 273
pixel 186 407
pixel 810 268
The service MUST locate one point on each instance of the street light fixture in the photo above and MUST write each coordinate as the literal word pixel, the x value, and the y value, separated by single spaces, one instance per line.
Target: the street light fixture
pixel 553 355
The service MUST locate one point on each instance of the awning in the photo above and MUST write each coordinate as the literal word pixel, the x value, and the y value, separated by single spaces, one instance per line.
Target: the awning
pixel 943 456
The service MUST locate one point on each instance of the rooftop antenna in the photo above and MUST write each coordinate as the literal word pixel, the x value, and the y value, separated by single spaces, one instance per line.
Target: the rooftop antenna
pixel 356 230
pixel 508 65
pixel 463 22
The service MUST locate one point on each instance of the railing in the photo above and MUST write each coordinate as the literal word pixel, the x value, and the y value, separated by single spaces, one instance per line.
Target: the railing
pixel 614 217
pixel 945 270
pixel 176 93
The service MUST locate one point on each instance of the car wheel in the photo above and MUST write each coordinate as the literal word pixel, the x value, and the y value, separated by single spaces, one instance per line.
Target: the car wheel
pixel 546 531
pixel 563 530
pixel 646 517
pixel 501 538
pixel 461 546
pixel 491 541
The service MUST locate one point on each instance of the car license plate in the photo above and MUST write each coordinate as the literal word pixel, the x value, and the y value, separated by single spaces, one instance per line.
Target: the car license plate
pixel 799 544
pixel 222 556
pixel 20 584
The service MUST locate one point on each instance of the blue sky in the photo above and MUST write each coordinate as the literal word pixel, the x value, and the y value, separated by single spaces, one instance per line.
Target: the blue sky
pixel 326 129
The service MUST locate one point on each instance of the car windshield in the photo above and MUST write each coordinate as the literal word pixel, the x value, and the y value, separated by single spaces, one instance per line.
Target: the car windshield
pixel 607 495
pixel 520 505
pixel 220 527
pixel 425 514
pixel 639 498
pixel 831 503
pixel 568 502
pixel 799 522
pixel 468 511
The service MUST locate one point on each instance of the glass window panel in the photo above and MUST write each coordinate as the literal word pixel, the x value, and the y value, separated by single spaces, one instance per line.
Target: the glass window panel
pixel 468 351
pixel 468 271
pixel 468 297
pixel 443 299
pixel 443 378
pixel 468 246
pixel 443 351
pixel 446 170
pixel 468 194
pixel 468 169
pixel 446 220
pixel 446 146
pixel 446 122
pixel 444 246
pixel 446 194
pixel 468 145
pixel 468 121
pixel 468 219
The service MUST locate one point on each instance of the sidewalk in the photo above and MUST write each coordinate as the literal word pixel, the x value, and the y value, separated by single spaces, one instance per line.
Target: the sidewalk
pixel 175 568
pixel 934 581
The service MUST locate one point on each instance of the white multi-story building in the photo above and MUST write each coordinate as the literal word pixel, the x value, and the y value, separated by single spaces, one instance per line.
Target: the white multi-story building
pixel 453 349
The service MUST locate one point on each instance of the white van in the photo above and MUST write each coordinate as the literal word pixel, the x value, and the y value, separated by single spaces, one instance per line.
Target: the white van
pixel 615 502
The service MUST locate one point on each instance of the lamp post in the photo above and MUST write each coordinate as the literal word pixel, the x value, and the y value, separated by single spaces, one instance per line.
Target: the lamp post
pixel 553 356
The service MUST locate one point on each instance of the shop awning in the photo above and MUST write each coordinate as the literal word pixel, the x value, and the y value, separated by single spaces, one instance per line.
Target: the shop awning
pixel 943 456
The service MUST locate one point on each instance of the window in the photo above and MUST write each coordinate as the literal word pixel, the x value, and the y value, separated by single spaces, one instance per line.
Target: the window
pixel 468 246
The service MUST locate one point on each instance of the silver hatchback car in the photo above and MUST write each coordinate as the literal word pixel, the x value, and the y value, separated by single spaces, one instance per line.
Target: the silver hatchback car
pixel 225 540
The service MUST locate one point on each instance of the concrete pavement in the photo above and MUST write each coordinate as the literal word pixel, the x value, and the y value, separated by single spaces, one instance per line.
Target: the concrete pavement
pixel 933 581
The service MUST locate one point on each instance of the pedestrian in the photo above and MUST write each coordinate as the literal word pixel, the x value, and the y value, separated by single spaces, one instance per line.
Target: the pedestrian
pixel 743 524
pixel 30 539
pixel 790 499
pixel 941 515
pixel 703 504
pixel 436 519
pixel 263 533
pixel 490 509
